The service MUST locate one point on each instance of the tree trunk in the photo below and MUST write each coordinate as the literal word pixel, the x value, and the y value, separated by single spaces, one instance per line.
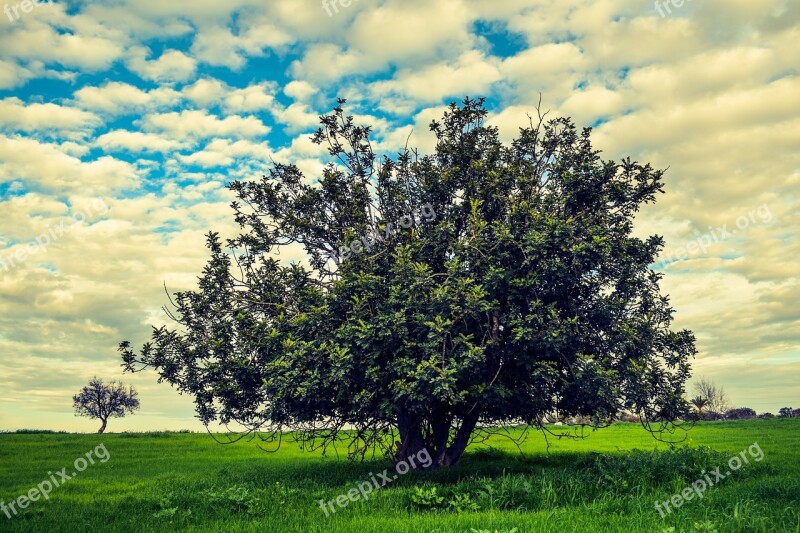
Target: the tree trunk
pixel 452 455
pixel 103 427
pixel 441 434
pixel 411 442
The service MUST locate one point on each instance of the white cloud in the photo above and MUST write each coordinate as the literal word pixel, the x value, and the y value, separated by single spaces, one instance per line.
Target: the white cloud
pixel 297 116
pixel 300 90
pixel 195 124
pixel 136 141
pixel 379 37
pixel 123 98
pixel 258 97
pixel 217 45
pixel 471 74
pixel 172 65
pixel 45 166
pixel 592 103
pixel 223 152
pixel 205 91
pixel 208 92
pixel 37 41
pixel 16 115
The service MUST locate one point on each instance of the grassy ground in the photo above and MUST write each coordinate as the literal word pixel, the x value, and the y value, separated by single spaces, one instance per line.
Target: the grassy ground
pixel 174 481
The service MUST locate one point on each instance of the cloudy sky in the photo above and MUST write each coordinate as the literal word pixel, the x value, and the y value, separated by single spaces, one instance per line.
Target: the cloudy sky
pixel 121 121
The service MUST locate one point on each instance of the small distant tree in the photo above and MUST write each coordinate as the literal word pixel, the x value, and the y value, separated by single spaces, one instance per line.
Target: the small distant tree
pixel 716 399
pixel 699 403
pixel 785 411
pixel 103 401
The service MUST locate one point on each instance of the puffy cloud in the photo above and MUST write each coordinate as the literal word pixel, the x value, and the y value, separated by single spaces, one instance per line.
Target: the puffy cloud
pixel 378 38
pixel 300 90
pixel 297 116
pixel 217 45
pixel 592 103
pixel 122 98
pixel 43 42
pixel 223 152
pixel 172 65
pixel 16 116
pixel 12 74
pixel 258 97
pixel 472 73
pixel 136 141
pixel 196 124
pixel 205 91
pixel 209 92
pixel 47 167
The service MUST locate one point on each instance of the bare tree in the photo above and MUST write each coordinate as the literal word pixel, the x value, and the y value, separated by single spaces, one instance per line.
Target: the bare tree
pixel 716 400
pixel 101 401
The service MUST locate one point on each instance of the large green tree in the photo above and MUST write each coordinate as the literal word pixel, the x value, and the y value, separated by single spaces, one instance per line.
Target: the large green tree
pixel 492 285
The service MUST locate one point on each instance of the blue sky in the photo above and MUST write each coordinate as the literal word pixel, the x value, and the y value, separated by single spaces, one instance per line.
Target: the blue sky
pixel 122 121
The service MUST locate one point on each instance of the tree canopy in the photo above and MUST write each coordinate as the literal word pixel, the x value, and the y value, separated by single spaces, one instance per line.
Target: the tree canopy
pixel 483 285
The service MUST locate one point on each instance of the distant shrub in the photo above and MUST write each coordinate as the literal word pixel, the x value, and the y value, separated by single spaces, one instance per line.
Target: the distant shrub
pixel 155 434
pixel 710 415
pixel 629 417
pixel 37 431
pixel 766 415
pixel 146 434
pixel 796 413
pixel 787 412
pixel 740 413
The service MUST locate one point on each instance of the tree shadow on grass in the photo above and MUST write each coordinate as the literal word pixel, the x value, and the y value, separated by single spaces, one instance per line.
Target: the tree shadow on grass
pixel 653 469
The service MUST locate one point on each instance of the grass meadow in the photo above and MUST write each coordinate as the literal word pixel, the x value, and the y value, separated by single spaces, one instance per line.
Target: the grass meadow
pixel 608 481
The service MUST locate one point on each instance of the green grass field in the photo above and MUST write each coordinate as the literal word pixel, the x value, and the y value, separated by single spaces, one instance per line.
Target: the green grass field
pixel 187 482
